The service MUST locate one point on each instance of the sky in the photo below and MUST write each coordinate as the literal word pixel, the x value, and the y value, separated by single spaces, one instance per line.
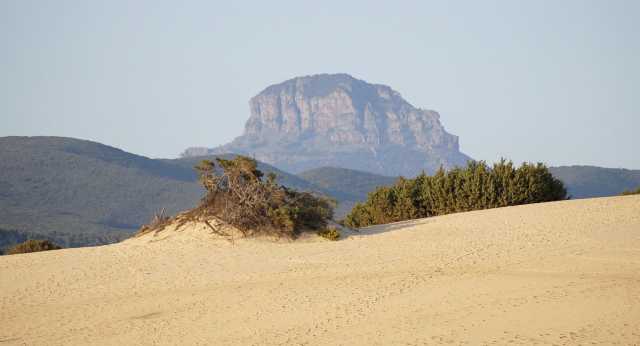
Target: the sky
pixel 541 81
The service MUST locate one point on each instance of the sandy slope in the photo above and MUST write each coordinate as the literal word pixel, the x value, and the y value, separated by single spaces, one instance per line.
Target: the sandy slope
pixel 555 273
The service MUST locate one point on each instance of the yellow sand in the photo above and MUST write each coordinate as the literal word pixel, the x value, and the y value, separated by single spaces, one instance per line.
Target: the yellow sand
pixel 554 273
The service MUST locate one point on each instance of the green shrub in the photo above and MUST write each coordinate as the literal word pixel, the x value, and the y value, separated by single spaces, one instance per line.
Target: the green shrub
pixel 631 192
pixel 476 186
pixel 32 245
pixel 330 233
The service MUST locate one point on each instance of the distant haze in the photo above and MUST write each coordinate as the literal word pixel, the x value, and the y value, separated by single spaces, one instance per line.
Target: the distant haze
pixel 551 81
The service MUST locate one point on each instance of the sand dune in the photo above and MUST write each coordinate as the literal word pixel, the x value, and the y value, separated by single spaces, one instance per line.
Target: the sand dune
pixel 555 273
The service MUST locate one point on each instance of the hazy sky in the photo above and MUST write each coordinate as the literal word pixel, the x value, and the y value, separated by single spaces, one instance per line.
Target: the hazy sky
pixel 552 81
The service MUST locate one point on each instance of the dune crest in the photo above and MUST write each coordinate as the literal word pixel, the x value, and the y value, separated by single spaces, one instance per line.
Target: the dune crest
pixel 553 273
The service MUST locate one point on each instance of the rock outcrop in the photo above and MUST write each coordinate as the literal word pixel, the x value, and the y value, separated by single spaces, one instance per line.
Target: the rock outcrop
pixel 337 120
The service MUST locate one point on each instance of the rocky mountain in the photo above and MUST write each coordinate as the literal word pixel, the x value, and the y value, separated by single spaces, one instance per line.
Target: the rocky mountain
pixel 337 120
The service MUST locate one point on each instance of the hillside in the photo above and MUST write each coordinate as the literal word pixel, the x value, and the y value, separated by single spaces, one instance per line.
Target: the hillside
pixel 80 193
pixel 340 121
pixel 590 181
pixel 350 184
pixel 346 185
pixel 564 273
pixel 85 192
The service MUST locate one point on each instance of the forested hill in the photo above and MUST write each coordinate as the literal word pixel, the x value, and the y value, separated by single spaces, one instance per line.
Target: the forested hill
pixel 85 192
pixel 80 193
pixel 591 181
pixel 349 184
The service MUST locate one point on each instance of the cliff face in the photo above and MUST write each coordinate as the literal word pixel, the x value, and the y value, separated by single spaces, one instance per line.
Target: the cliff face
pixel 337 120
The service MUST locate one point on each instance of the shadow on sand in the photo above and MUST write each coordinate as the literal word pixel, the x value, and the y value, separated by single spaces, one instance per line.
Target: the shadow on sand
pixel 379 229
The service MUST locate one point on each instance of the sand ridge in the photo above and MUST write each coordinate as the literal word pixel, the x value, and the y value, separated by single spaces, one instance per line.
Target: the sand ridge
pixel 554 273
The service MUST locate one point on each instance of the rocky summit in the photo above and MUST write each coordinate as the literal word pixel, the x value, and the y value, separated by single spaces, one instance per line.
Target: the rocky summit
pixel 337 120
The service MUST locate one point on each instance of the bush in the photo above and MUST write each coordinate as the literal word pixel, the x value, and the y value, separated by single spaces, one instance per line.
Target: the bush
pixel 476 186
pixel 330 233
pixel 631 192
pixel 239 194
pixel 32 245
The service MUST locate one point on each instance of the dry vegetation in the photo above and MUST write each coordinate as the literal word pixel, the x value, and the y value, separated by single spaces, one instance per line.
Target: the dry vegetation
pixel 32 245
pixel 330 233
pixel 240 195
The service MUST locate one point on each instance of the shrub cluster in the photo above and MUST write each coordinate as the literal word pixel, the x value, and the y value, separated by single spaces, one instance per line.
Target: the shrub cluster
pixel 330 233
pixel 239 194
pixel 476 186
pixel 32 245
pixel 631 192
